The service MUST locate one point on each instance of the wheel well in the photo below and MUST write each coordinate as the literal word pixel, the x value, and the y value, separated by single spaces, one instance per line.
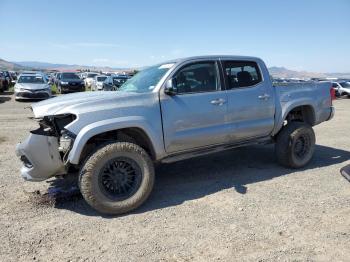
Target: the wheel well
pixel 302 114
pixel 133 135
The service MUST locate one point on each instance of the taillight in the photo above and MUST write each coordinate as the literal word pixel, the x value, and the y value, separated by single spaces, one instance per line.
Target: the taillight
pixel 332 91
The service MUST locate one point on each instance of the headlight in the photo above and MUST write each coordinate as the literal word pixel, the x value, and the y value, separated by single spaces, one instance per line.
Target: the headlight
pixel 64 83
pixel 19 89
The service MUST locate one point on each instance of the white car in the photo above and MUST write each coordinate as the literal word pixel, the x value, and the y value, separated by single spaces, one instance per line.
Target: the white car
pixel 89 79
pixel 97 83
pixel 344 88
pixel 32 86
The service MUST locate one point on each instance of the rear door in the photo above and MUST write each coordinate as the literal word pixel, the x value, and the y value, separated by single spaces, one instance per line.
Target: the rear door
pixel 251 105
pixel 195 116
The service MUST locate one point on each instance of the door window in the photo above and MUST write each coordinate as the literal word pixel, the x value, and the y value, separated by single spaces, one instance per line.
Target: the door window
pixel 198 77
pixel 241 74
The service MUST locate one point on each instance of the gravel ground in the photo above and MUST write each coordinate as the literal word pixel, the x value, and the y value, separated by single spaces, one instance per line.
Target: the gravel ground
pixel 238 205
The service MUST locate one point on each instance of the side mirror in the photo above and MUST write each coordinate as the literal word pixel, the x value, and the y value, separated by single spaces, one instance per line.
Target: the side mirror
pixel 169 89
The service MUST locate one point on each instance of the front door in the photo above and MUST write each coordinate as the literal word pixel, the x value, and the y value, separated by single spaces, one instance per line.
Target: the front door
pixel 195 116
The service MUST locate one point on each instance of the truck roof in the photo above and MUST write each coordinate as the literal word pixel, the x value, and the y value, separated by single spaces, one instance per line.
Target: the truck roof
pixel 233 57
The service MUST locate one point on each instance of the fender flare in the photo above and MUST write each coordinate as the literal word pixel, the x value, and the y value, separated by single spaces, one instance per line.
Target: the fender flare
pixel 103 126
pixel 288 107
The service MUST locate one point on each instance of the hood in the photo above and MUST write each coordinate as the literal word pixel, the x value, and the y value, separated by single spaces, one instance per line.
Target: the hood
pixel 73 102
pixel 31 86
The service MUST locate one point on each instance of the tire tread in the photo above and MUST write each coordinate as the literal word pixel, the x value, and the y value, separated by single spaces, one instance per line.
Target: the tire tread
pixel 87 171
pixel 283 143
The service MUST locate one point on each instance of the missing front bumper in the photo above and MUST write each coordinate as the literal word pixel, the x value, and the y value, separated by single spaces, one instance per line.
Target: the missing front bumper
pixel 40 157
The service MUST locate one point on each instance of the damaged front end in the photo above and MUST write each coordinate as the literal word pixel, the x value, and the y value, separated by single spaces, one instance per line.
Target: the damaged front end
pixel 44 152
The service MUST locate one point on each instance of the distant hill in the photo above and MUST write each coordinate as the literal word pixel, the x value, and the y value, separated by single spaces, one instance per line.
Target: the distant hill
pixel 282 72
pixel 339 75
pixel 5 65
pixel 61 67
pixel 41 65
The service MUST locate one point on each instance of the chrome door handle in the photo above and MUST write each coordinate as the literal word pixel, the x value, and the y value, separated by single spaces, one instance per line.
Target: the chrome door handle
pixel 264 97
pixel 218 102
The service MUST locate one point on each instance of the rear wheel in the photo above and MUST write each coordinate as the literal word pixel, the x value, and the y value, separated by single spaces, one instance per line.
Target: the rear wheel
pixel 295 145
pixel 117 178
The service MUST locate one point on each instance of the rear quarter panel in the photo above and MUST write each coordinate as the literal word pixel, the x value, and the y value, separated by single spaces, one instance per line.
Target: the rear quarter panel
pixel 292 95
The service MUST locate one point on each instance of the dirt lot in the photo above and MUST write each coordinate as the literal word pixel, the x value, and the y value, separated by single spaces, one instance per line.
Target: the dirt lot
pixel 233 206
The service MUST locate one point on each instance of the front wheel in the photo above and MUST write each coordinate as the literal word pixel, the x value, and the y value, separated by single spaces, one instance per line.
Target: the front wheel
pixel 295 145
pixel 117 178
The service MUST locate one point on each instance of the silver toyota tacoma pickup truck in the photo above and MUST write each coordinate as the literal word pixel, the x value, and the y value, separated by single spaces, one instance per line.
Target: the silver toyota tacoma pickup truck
pixel 165 113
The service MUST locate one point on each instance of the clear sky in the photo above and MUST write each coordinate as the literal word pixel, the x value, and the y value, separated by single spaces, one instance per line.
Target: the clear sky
pixel 312 35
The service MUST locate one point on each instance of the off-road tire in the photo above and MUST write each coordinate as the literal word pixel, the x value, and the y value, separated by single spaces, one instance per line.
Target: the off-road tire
pixel 286 144
pixel 90 171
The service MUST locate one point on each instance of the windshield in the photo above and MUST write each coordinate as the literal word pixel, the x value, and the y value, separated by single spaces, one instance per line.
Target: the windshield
pixel 91 75
pixel 345 84
pixel 121 77
pixel 119 80
pixel 101 78
pixel 146 80
pixel 31 79
pixel 69 76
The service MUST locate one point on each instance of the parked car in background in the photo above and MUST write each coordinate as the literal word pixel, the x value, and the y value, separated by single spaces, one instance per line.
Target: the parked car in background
pixel 48 77
pixel 166 113
pixel 344 88
pixel 51 78
pixel 32 86
pixel 114 82
pixel 55 78
pixel 82 75
pixel 69 82
pixel 2 82
pixel 97 83
pixel 13 76
pixel 31 72
pixel 336 87
pixel 89 78
pixel 8 78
